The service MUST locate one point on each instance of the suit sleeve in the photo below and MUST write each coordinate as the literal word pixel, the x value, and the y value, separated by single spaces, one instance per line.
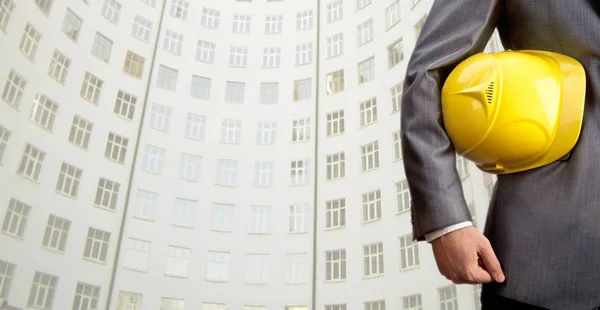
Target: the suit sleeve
pixel 453 31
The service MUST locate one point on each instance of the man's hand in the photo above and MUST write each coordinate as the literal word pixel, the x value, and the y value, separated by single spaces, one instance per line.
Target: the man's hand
pixel 465 256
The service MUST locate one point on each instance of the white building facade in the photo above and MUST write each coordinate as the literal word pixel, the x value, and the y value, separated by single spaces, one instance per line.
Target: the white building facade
pixel 201 154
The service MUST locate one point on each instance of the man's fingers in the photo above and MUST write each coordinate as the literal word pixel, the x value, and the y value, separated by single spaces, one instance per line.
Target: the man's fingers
pixel 492 265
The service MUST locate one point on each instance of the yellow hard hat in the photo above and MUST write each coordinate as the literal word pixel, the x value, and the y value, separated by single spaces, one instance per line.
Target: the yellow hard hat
pixel 513 111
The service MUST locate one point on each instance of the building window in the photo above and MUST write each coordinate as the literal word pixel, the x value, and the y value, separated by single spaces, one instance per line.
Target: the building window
pixel 213 306
pixel 184 213
pixel 271 57
pixel 361 4
pixel 412 302
pixel 336 166
pixel 297 268
pixel 125 105
pixel 6 8
pixel 369 156
pixel 335 45
pixel 81 129
pixel 392 14
pixel 335 82
pixel 4 136
pixel 111 10
pixel 395 53
pixel 160 117
pixel 136 255
pixel 373 259
pixel 86 296
pixel 241 23
pixel 6 274
pixel 173 42
pixel 448 298
pixel 335 123
pixel 189 167
pixel 257 268
pixel 273 24
pixel 177 261
pixel 167 78
pixel 304 20
pixel 116 148
pixel 304 54
pixel 57 231
pixel 301 130
pixel 371 205
pixel 335 10
pixel 91 87
pixel 462 165
pixel 231 131
pixel 227 172
pixel 335 265
pixel 234 92
pixel 366 70
pixel 96 246
pixel 299 172
pixel 101 47
pixel 302 89
pixel 477 296
pixel 42 291
pixel 266 132
pixel 269 93
pixel 396 94
pixel 419 26
pixel 31 162
pixel 335 213
pixel 134 64
pixel 473 213
pixel 397 147
pixel 71 25
pixel 141 28
pixel 264 173
pixel 30 41
pixel 151 3
pixel 205 52
pixel 59 66
pixel 195 127
pixel 172 304
pixel 44 5
pixel 222 217
pixel 13 89
pixel 107 194
pixel 335 307
pixel 15 219
pixel 298 219
pixel 210 18
pixel 365 32
pixel 260 220
pixel 200 87
pixel 368 112
pixel 403 199
pixel 146 204
pixel 238 57
pixel 409 252
pixel 217 267
pixel 154 159
pixel 68 180
pixel 129 301
pixel 43 112
pixel 179 9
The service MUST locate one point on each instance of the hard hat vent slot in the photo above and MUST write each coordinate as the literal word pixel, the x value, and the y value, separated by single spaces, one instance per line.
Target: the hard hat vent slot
pixel 489 92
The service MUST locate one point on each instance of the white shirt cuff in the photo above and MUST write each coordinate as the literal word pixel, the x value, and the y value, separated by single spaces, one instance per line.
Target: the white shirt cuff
pixel 440 232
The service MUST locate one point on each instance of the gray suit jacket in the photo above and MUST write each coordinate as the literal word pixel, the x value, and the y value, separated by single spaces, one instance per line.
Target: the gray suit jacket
pixel 544 224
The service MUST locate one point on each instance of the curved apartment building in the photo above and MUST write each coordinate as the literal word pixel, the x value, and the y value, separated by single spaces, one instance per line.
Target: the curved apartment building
pixel 215 155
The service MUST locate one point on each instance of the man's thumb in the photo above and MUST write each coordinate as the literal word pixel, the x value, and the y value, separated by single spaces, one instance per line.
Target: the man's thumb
pixel 492 265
